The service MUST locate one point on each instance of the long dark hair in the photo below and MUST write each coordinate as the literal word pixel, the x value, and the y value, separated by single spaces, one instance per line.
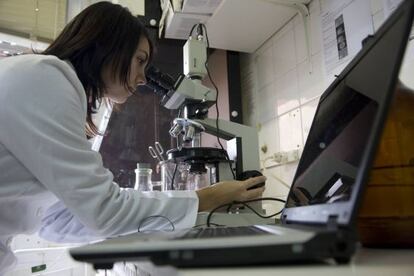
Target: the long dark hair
pixel 103 34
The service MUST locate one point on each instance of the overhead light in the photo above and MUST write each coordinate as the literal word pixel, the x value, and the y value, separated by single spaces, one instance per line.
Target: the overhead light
pixel 13 43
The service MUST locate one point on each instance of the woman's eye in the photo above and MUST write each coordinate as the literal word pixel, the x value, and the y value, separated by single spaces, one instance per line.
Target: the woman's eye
pixel 141 61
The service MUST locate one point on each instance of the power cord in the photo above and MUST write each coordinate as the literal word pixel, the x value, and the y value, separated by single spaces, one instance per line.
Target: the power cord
pixel 212 223
pixel 203 28
pixel 244 203
pixel 153 217
pixel 173 176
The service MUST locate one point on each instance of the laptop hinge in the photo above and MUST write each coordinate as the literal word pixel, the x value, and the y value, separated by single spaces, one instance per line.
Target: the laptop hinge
pixel 332 222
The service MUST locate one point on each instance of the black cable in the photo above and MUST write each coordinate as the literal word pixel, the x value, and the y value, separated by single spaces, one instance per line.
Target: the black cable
pixel 262 199
pixel 156 216
pixel 244 203
pixel 177 138
pixel 217 109
pixel 254 211
pixel 205 30
pixel 192 29
pixel 214 210
pixel 212 223
pixel 173 177
pixel 216 103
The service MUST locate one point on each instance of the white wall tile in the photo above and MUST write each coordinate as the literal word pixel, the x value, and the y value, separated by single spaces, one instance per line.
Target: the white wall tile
pixel 315 30
pixel 315 6
pixel 376 6
pixel 290 130
pixel 407 68
pixel 283 52
pixel 288 27
pixel 308 112
pixel 301 47
pixel 269 138
pixel 264 65
pixel 311 78
pixel 287 93
pixel 274 187
pixel 266 104
pixel 378 19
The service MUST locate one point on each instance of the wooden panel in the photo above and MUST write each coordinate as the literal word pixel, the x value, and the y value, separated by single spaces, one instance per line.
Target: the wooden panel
pixel 397 203
pixel 40 18
pixel 386 217
pixel 396 147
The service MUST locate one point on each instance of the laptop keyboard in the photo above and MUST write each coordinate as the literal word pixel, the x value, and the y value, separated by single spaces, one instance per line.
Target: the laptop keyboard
pixel 200 233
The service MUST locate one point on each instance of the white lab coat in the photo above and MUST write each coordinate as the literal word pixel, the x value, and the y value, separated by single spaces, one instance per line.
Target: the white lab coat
pixel 50 179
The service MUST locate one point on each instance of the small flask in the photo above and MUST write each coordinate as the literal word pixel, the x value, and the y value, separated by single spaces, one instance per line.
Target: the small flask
pixel 143 175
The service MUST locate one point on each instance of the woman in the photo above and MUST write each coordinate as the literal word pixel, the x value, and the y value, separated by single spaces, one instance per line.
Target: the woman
pixel 45 159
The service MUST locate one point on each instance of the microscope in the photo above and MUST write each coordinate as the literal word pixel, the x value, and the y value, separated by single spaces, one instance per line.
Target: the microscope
pixel 192 99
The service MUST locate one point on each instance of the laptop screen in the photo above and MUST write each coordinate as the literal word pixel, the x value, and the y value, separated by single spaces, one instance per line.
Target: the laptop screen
pixel 347 127
pixel 334 149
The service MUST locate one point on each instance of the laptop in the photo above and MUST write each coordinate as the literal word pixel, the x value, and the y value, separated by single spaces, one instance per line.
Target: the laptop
pixel 318 220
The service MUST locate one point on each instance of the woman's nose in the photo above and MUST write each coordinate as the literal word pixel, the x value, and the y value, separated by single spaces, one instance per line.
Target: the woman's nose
pixel 141 79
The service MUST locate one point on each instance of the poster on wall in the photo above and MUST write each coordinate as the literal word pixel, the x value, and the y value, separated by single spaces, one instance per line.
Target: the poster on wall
pixel 344 25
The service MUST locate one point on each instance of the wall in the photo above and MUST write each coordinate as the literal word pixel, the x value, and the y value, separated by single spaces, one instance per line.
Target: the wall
pixel 137 7
pixel 281 87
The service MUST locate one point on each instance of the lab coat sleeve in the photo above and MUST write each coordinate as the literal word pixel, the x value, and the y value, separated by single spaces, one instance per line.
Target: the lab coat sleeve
pixel 60 225
pixel 43 127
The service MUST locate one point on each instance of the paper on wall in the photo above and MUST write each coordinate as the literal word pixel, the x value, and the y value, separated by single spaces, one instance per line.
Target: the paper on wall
pixel 344 25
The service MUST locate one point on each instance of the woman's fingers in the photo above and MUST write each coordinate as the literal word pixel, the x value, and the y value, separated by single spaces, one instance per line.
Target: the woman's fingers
pixel 251 182
pixel 254 193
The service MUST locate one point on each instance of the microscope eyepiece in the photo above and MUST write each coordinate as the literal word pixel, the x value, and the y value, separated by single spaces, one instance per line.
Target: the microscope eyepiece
pixel 159 80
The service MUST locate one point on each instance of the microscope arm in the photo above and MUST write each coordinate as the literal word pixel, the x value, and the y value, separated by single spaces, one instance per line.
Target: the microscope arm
pixel 186 88
pixel 249 150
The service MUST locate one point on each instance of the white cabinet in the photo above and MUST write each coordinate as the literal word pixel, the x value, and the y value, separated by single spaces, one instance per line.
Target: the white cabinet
pixel 238 25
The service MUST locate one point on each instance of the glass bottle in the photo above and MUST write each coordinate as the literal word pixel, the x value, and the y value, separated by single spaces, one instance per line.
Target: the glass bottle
pixel 143 175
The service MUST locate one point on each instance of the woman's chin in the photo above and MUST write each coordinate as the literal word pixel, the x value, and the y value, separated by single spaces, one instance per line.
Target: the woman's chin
pixel 120 100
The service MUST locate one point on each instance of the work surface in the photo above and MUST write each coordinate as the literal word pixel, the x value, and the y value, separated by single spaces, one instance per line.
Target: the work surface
pixel 372 262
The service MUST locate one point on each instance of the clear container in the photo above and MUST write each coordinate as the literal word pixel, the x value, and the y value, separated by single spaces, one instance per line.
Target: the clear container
pixel 143 175
pixel 183 178
pixel 180 173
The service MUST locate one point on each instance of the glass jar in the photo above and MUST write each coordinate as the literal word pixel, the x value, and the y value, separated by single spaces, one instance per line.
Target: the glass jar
pixel 180 173
pixel 143 175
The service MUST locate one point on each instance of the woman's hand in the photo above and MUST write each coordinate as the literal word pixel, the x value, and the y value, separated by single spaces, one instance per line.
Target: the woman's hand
pixel 228 191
